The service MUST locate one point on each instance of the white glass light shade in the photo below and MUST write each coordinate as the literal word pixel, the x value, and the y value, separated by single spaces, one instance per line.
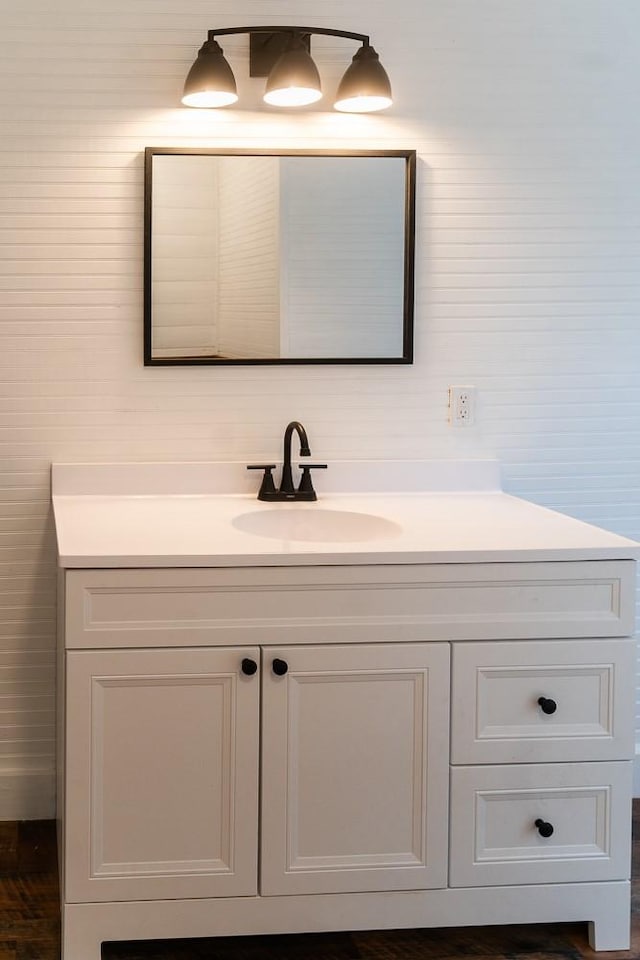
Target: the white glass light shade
pixel 365 86
pixel 209 98
pixel 294 80
pixel 292 97
pixel 210 81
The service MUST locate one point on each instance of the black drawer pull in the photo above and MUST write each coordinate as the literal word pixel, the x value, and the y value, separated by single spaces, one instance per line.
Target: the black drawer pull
pixel 249 667
pixel 547 706
pixel 279 667
pixel 544 829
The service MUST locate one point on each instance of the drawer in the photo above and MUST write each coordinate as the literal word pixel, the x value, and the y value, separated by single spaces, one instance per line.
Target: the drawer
pixel 542 701
pixel 351 603
pixel 494 837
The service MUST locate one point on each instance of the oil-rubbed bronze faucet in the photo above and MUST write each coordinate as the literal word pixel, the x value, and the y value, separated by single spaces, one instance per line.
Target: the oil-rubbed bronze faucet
pixel 287 491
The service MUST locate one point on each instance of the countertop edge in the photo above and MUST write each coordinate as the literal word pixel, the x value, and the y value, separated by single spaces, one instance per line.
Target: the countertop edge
pixel 75 562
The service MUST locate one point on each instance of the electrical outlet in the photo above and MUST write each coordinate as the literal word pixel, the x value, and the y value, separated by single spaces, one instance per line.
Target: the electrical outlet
pixel 462 406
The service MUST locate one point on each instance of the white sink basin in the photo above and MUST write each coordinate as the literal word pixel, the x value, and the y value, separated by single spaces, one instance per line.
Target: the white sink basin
pixel 315 524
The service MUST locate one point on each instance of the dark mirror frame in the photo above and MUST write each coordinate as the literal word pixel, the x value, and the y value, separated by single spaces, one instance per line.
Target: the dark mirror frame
pixel 409 253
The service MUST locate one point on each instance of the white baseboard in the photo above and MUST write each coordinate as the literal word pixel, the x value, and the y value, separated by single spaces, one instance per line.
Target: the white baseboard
pixel 636 772
pixel 27 790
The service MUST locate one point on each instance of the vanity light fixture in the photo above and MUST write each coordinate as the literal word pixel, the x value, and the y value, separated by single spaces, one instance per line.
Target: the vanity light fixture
pixel 282 54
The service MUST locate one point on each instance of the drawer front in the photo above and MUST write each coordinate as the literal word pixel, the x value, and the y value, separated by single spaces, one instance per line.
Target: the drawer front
pixel 542 701
pixel 361 604
pixel 500 818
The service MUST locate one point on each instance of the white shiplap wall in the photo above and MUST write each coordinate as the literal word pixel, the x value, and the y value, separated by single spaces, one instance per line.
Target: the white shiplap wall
pixel 525 119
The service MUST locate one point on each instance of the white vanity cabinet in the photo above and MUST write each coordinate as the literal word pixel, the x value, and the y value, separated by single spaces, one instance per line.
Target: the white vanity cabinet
pixel 419 745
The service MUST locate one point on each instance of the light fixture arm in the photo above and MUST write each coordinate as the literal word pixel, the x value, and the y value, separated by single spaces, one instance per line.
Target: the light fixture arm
pixel 325 31
pixel 268 42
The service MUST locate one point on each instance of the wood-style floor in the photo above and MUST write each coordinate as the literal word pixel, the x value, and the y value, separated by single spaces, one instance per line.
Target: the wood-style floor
pixel 29 924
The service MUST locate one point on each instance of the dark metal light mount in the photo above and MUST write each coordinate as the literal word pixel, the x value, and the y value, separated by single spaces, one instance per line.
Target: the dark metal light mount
pixel 266 48
pixel 283 55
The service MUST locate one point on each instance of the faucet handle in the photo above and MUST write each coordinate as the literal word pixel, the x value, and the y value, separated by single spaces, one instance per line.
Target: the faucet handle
pixel 305 490
pixel 267 487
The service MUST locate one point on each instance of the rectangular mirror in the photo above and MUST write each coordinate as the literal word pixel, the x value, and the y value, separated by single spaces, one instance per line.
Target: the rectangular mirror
pixel 278 256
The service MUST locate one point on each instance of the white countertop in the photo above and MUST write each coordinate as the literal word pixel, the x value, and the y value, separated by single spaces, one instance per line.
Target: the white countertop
pixel 104 519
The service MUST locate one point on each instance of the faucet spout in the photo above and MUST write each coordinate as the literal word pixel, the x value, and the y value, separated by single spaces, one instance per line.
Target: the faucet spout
pixel 286 483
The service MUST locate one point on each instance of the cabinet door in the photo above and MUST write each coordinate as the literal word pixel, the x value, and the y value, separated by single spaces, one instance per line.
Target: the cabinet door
pixel 162 770
pixel 355 768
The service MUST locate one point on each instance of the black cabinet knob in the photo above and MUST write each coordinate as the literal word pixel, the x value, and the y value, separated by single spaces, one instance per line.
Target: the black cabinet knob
pixel 249 667
pixel 547 706
pixel 279 667
pixel 544 829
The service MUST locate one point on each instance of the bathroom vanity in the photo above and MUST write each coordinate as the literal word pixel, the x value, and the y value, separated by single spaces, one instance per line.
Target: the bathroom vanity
pixel 409 704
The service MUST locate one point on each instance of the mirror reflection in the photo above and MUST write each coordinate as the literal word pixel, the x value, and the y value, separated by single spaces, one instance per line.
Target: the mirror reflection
pixel 274 258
